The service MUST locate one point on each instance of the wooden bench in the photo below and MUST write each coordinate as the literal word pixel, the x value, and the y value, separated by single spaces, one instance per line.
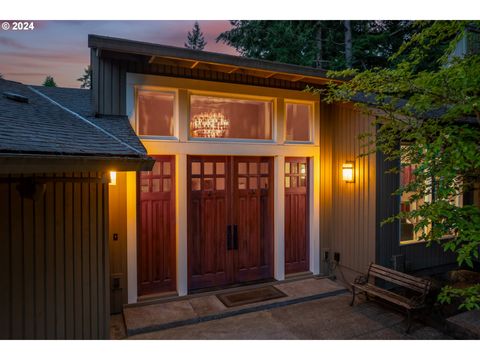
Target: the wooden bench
pixel 418 286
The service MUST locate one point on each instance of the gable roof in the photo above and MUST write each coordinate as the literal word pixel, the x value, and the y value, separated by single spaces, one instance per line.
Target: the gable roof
pixel 56 123
pixel 199 59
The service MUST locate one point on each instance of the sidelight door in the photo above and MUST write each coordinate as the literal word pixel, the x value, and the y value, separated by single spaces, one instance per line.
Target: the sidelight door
pixel 230 220
pixel 156 242
pixel 296 215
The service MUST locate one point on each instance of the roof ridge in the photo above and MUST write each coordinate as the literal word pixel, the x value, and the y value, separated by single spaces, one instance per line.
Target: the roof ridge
pixel 84 120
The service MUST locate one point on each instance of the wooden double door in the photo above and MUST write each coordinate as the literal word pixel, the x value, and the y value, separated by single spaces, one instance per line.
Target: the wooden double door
pixel 230 220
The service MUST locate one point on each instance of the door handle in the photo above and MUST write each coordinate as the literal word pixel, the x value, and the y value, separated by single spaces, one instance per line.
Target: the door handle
pixel 235 237
pixel 229 237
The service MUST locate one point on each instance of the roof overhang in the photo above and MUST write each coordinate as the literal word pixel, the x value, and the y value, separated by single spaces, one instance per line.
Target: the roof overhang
pixel 39 163
pixel 205 60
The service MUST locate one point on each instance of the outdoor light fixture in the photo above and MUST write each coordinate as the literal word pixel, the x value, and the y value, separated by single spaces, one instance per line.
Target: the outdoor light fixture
pixel 113 178
pixel 209 125
pixel 348 172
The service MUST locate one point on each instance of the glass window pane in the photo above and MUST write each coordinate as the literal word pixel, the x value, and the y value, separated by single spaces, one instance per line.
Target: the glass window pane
pixel 166 169
pixel 157 168
pixel 155 113
pixel 264 183
pixel 155 185
pixel 215 117
pixel 302 168
pixel 220 168
pixel 253 183
pixel 293 168
pixel 242 183
pixel 196 184
pixel 196 168
pixel 294 182
pixel 208 168
pixel 208 184
pixel 287 181
pixel 252 168
pixel 264 168
pixel 220 184
pixel 287 168
pixel 242 168
pixel 166 185
pixel 303 181
pixel 298 122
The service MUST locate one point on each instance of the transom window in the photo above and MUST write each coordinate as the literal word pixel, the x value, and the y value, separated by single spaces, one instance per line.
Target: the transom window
pixel 155 113
pixel 221 117
pixel 298 119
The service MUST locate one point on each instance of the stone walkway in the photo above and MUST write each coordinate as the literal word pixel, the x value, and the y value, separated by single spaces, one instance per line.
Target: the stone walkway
pixel 326 318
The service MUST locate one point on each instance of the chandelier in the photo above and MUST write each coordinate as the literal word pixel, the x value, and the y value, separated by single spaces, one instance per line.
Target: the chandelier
pixel 209 125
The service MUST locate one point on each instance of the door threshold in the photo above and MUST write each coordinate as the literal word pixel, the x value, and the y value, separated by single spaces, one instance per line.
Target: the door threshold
pixel 157 296
pixel 299 275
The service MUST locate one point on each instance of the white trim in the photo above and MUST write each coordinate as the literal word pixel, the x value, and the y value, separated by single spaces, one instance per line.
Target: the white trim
pixel 314 212
pixel 132 237
pixel 181 221
pixel 279 218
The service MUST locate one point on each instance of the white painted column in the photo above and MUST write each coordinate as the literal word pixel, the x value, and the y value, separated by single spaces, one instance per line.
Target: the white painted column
pixel 314 211
pixel 279 218
pixel 181 217
pixel 132 291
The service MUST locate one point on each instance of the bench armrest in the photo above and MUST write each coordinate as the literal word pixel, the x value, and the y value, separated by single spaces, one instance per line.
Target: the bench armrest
pixel 361 280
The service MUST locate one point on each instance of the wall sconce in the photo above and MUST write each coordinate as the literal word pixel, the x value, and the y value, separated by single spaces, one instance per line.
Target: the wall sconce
pixel 113 178
pixel 348 172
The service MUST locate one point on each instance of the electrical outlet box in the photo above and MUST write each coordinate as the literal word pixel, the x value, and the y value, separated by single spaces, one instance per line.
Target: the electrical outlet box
pixel 336 257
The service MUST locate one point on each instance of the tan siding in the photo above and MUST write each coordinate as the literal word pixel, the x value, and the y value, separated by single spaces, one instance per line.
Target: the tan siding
pixel 347 215
pixel 53 260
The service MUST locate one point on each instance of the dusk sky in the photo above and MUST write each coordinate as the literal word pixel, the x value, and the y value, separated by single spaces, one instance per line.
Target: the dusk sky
pixel 59 48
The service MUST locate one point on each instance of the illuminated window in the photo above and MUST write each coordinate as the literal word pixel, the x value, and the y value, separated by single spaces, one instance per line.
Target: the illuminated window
pixel 155 113
pixel 218 117
pixel 298 121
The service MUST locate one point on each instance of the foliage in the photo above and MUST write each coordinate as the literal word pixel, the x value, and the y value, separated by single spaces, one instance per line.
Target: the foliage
pixel 195 39
pixel 49 82
pixel 317 43
pixel 86 78
pixel 429 101
pixel 470 295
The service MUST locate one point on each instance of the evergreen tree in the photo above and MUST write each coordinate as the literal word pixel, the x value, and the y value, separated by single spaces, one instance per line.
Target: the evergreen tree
pixel 49 82
pixel 195 39
pixel 86 78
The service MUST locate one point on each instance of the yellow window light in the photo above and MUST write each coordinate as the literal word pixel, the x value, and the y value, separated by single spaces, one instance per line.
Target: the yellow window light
pixel 348 172
pixel 113 178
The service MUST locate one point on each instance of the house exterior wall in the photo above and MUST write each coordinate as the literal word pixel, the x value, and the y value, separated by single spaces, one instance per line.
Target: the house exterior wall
pixel 347 215
pixel 54 259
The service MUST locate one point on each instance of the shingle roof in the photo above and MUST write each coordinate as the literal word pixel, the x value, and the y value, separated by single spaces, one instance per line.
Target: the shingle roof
pixel 43 127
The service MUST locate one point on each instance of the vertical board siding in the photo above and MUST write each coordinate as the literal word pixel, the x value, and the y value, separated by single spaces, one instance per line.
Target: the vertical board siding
pixel 53 260
pixel 347 213
pixel 418 256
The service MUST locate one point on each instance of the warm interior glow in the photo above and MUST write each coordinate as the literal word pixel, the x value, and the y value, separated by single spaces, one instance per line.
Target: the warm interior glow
pixel 348 172
pixel 113 178
pixel 209 125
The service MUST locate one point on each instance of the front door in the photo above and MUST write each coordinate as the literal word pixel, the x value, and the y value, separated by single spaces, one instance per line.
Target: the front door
pixel 296 215
pixel 156 242
pixel 230 220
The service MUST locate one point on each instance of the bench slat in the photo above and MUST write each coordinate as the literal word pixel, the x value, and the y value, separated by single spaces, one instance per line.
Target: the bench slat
pixel 386 295
pixel 419 287
pixel 407 277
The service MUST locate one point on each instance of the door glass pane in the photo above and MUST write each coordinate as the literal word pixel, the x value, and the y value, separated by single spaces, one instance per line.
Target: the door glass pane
pixel 264 183
pixel 155 185
pixel 264 168
pixel 196 168
pixel 303 180
pixel 303 168
pixel 293 168
pixel 144 185
pixel 287 181
pixel 242 183
pixel 208 184
pixel 196 184
pixel 242 168
pixel 287 168
pixel 208 168
pixel 220 184
pixel 217 117
pixel 220 168
pixel 294 181
pixel 155 113
pixel 253 183
pixel 252 168
pixel 166 185
pixel 166 169
pixel 298 120
pixel 157 168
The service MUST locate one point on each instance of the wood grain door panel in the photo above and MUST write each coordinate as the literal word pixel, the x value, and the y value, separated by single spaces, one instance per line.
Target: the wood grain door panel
pixel 296 215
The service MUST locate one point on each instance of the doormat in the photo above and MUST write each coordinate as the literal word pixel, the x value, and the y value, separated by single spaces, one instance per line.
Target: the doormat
pixel 250 296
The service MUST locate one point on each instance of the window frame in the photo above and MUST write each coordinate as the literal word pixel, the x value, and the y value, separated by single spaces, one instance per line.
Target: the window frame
pixel 162 90
pixel 311 122
pixel 231 96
